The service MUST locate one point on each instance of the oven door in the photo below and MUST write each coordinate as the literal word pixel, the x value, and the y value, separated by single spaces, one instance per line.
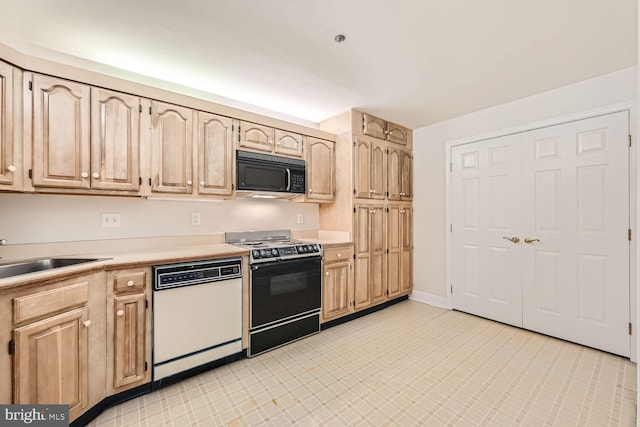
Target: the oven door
pixel 283 289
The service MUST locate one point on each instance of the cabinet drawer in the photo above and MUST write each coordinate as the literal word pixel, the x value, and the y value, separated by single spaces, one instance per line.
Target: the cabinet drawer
pixel 51 301
pixel 129 282
pixel 338 254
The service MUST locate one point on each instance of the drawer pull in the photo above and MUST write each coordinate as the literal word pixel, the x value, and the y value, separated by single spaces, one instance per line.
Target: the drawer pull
pixel 120 313
pixel 11 168
pixel 86 323
pixel 130 283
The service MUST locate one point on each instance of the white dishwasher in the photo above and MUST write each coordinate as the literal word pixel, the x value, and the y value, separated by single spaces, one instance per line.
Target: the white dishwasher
pixel 197 317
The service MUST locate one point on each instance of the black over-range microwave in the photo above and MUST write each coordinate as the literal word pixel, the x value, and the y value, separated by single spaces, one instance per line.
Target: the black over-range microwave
pixel 266 172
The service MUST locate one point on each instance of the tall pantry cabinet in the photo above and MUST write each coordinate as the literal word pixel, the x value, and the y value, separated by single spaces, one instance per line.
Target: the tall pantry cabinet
pixel 374 166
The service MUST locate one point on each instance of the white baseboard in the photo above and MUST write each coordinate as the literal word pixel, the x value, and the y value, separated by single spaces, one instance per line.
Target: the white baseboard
pixel 430 299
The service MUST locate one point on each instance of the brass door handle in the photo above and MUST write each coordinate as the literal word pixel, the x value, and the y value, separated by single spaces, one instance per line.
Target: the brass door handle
pixel 514 239
pixel 529 240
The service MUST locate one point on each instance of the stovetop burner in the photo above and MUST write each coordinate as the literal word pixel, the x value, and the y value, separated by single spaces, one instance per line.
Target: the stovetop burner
pixel 266 246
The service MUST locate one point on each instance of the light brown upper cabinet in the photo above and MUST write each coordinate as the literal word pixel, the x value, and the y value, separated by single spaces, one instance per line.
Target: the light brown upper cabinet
pixel 83 137
pixel 9 168
pixel 61 140
pixel 115 140
pixel 215 154
pixel 171 148
pixel 370 169
pixel 400 174
pixel 321 163
pixel 381 129
pixel 264 138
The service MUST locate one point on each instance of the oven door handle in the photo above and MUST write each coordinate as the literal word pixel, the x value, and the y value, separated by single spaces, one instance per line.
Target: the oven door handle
pixel 286 262
pixel 288 179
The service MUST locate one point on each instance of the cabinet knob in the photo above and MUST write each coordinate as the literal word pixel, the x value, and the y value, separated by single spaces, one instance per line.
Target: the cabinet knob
pixel 96 175
pixel 189 182
pixel 11 168
pixel 339 255
pixel 84 175
pixel 326 274
pixel 271 142
pixel 311 190
pixel 203 183
pixel 120 313
pixel 86 323
pixel 130 283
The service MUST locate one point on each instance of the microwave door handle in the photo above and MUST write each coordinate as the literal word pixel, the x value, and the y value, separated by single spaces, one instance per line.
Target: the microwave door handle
pixel 288 179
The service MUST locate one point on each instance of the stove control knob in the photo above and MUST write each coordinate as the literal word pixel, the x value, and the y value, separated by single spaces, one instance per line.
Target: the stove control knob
pixel 256 254
pixel 310 248
pixel 274 252
pixel 301 249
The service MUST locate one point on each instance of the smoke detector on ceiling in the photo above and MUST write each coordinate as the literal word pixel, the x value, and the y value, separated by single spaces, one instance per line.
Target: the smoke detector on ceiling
pixel 339 38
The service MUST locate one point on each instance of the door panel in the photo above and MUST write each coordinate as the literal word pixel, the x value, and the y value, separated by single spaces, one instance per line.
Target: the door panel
pixel 576 276
pixel 486 209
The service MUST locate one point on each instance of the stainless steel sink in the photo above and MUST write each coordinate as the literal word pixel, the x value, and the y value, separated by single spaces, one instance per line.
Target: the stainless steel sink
pixel 18 268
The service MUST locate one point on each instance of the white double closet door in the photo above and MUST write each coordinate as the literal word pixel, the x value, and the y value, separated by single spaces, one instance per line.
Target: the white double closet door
pixel 539 234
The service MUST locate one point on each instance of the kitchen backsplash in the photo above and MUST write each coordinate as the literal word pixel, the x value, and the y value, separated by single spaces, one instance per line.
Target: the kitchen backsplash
pixel 40 218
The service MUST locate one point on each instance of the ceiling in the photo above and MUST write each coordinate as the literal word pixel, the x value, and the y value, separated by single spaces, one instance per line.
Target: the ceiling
pixel 415 62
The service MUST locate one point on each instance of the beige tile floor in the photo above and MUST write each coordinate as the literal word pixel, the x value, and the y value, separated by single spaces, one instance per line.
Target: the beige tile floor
pixel 409 364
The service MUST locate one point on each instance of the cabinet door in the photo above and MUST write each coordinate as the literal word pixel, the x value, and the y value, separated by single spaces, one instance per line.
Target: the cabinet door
pixel 288 143
pixel 362 168
pixel 8 165
pixel 378 171
pixel 373 126
pixel 129 340
pixel 378 273
pixel 394 257
pixel 115 140
pixel 215 154
pixel 171 148
pixel 321 172
pixel 397 134
pixel 255 137
pixel 394 161
pixel 51 361
pixel 406 273
pixel 61 144
pixel 362 264
pixel 336 290
pixel 406 176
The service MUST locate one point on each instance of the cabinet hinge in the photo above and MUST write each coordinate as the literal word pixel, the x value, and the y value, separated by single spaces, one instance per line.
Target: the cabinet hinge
pixel 146 366
pixel 149 181
pixel 387 210
pixel 140 110
pixel 630 328
pixel 233 187
pixel 450 228
pixel 139 180
pixel 450 167
pixel 30 173
pixel 354 256
pixel 629 140
pixel 149 110
pixel 12 347
pixel 146 303
pixel 629 234
pixel 354 209
pixel 387 198
pixel 451 288
pixel 233 128
pixel 354 143
pixel 30 85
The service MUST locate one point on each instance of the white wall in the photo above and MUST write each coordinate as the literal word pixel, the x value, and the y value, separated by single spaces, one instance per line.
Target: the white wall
pixel 430 223
pixel 39 218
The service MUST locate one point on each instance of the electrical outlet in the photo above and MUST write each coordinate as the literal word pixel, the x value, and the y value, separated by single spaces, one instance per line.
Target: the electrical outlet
pixel 111 220
pixel 195 218
pixel 300 218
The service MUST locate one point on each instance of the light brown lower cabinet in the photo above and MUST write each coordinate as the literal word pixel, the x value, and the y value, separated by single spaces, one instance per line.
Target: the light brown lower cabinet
pixel 128 326
pixel 57 333
pixel 337 284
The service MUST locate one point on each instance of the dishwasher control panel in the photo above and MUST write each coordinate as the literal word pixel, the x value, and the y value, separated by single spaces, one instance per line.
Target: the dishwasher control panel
pixel 195 272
